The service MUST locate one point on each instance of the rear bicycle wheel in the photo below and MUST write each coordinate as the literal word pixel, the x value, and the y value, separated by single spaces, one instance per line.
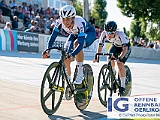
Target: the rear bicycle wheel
pixel 105 85
pixel 128 82
pixel 82 99
pixel 51 90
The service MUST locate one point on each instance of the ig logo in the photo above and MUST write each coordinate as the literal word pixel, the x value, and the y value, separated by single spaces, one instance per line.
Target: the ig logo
pixel 115 104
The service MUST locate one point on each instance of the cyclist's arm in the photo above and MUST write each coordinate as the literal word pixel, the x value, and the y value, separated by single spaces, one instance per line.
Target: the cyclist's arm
pixel 79 47
pixel 54 33
pixel 81 38
pixel 125 42
pixel 124 51
pixel 101 42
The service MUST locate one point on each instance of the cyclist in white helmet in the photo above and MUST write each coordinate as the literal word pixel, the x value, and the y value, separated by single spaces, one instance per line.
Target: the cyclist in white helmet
pixel 120 46
pixel 80 31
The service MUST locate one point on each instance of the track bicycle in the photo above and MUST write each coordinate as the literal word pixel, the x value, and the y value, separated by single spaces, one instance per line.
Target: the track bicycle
pixel 108 83
pixel 52 87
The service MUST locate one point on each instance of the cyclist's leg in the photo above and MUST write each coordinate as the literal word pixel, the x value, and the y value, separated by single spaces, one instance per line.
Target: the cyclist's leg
pixel 91 37
pixel 79 59
pixel 113 49
pixel 69 48
pixel 122 72
pixel 80 56
pixel 122 75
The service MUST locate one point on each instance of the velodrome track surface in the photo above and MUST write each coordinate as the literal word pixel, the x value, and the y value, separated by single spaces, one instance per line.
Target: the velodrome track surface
pixel 21 75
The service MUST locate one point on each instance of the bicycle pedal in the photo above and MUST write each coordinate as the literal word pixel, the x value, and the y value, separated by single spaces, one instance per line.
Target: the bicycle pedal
pixel 78 86
pixel 68 94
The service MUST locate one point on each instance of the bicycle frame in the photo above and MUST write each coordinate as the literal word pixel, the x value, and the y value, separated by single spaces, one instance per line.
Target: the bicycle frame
pixel 113 77
pixel 64 72
pixel 56 75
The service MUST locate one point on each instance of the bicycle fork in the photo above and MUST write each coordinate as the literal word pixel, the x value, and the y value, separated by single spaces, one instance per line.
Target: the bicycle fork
pixel 58 73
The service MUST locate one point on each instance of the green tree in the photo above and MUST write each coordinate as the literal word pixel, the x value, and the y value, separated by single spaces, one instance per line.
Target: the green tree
pixel 78 6
pixel 125 31
pixel 146 9
pixel 154 31
pixel 135 29
pixel 99 12
pixel 143 11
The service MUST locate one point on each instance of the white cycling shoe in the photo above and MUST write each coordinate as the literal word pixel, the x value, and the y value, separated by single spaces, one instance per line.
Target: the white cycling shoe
pixel 79 79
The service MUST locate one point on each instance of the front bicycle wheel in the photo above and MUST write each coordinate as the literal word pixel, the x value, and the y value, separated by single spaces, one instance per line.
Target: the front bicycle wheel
pixel 82 99
pixel 105 85
pixel 52 89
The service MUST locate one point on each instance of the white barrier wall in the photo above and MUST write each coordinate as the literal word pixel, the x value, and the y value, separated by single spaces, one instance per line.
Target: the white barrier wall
pixel 43 42
pixel 8 41
pixel 145 53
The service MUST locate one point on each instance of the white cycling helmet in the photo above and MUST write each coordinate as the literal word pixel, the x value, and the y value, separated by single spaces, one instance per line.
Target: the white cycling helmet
pixel 67 11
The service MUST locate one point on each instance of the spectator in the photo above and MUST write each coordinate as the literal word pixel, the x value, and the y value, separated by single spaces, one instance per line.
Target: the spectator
pixel 140 43
pixel 42 11
pixel 48 12
pixel 150 43
pixel 33 17
pixel 31 24
pixel 27 19
pixel 1 17
pixel 97 32
pixel 45 26
pixel 38 19
pixel 33 11
pixel 38 12
pixel 50 22
pixel 14 4
pixel 24 6
pixel 30 7
pixel 27 11
pixel 8 26
pixel 132 43
pixel 1 3
pixel 10 4
pixel 15 22
pixel 92 21
pixel 16 12
pixel 36 27
pixel 53 12
pixel 35 7
pixel 5 5
pixel 31 29
pixel 156 46
pixel 6 11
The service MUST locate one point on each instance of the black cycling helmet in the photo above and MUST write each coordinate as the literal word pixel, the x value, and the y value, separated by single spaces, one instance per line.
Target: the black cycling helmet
pixel 111 26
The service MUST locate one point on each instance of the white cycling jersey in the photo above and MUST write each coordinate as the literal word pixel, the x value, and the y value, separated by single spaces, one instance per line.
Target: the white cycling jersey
pixel 119 39
pixel 80 25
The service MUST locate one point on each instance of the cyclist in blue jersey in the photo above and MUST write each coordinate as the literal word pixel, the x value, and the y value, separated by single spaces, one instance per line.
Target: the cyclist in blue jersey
pixel 80 33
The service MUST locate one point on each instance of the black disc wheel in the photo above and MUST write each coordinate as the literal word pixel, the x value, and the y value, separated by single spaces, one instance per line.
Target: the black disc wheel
pixel 82 99
pixel 128 82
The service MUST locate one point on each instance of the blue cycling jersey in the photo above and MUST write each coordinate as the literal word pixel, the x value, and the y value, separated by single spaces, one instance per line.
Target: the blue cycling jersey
pixel 81 26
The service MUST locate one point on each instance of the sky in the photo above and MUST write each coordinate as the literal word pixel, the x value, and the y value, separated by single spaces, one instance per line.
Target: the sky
pixel 115 14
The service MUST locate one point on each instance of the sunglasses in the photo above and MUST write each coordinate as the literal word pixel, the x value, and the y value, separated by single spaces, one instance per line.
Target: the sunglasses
pixel 110 33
